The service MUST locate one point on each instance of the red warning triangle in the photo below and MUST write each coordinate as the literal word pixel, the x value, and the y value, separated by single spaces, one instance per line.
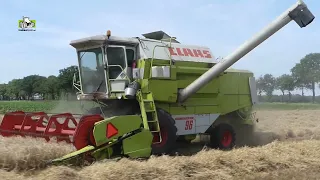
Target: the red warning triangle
pixel 111 130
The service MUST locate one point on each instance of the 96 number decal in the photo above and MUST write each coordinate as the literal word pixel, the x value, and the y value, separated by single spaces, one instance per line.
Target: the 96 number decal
pixel 189 125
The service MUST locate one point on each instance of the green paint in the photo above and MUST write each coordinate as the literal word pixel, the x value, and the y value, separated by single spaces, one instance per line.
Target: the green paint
pixel 138 145
pixel 104 152
pixel 228 92
pixel 124 124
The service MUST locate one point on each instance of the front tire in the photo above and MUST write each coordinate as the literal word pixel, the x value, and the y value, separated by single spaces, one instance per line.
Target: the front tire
pixel 168 134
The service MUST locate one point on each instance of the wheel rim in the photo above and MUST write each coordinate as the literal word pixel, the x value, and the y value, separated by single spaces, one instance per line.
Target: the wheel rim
pixel 164 136
pixel 226 138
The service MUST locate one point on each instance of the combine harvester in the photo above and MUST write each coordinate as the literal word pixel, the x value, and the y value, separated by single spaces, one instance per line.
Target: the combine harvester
pixel 153 92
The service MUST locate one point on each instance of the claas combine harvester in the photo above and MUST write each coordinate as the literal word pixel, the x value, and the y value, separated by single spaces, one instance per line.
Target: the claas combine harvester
pixel 152 92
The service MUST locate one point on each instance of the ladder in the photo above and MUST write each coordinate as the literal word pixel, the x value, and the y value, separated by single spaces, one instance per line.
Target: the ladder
pixel 149 115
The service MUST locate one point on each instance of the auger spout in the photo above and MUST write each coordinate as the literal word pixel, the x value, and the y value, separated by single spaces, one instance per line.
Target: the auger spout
pixel 298 12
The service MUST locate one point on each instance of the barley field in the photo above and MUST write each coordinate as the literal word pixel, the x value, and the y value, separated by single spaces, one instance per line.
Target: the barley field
pixel 287 146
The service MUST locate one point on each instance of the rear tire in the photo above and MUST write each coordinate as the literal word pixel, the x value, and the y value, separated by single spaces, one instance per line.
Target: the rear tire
pixel 168 133
pixel 223 137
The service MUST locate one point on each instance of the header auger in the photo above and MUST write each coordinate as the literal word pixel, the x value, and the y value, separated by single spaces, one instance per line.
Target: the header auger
pixel 153 92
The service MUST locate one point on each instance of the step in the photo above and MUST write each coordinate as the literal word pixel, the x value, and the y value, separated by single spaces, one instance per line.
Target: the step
pixel 149 110
pixel 154 121
pixel 155 131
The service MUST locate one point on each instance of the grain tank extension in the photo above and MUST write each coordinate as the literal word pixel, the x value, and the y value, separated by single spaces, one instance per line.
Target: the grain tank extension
pixel 151 93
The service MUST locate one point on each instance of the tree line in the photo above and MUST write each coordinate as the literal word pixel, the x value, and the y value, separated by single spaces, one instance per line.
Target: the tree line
pixel 52 87
pixel 305 75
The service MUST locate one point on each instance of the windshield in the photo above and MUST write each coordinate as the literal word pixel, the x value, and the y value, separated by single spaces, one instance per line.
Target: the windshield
pixel 92 71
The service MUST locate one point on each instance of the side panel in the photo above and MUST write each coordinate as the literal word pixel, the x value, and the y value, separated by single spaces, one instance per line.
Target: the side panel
pixel 163 90
pixel 194 123
pixel 228 92
pixel 253 90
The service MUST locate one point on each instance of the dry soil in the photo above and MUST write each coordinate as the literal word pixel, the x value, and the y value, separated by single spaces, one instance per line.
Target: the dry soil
pixel 288 147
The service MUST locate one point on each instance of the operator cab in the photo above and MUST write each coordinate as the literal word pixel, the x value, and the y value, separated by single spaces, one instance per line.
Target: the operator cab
pixel 105 64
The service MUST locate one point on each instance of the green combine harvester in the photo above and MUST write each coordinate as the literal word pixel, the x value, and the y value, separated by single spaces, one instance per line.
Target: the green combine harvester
pixel 153 92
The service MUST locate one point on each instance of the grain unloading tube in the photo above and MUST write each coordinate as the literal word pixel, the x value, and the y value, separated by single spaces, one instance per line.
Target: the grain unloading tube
pixel 298 12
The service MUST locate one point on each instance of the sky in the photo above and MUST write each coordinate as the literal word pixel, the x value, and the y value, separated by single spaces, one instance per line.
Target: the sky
pixel 221 25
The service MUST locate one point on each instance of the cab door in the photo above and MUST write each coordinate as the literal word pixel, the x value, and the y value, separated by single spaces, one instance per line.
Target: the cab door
pixel 116 59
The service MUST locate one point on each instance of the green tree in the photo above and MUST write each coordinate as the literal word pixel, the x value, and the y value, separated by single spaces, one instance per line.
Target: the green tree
pixel 307 72
pixel 259 85
pixel 3 91
pixel 52 86
pixel 33 84
pixel 15 89
pixel 299 75
pixel 40 86
pixel 268 85
pixel 66 78
pixel 284 83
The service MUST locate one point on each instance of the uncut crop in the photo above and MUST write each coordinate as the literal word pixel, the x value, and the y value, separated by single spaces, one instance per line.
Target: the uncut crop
pixel 46 106
pixel 28 106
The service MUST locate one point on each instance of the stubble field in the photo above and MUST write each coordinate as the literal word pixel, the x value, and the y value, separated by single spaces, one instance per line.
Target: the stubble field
pixel 287 146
